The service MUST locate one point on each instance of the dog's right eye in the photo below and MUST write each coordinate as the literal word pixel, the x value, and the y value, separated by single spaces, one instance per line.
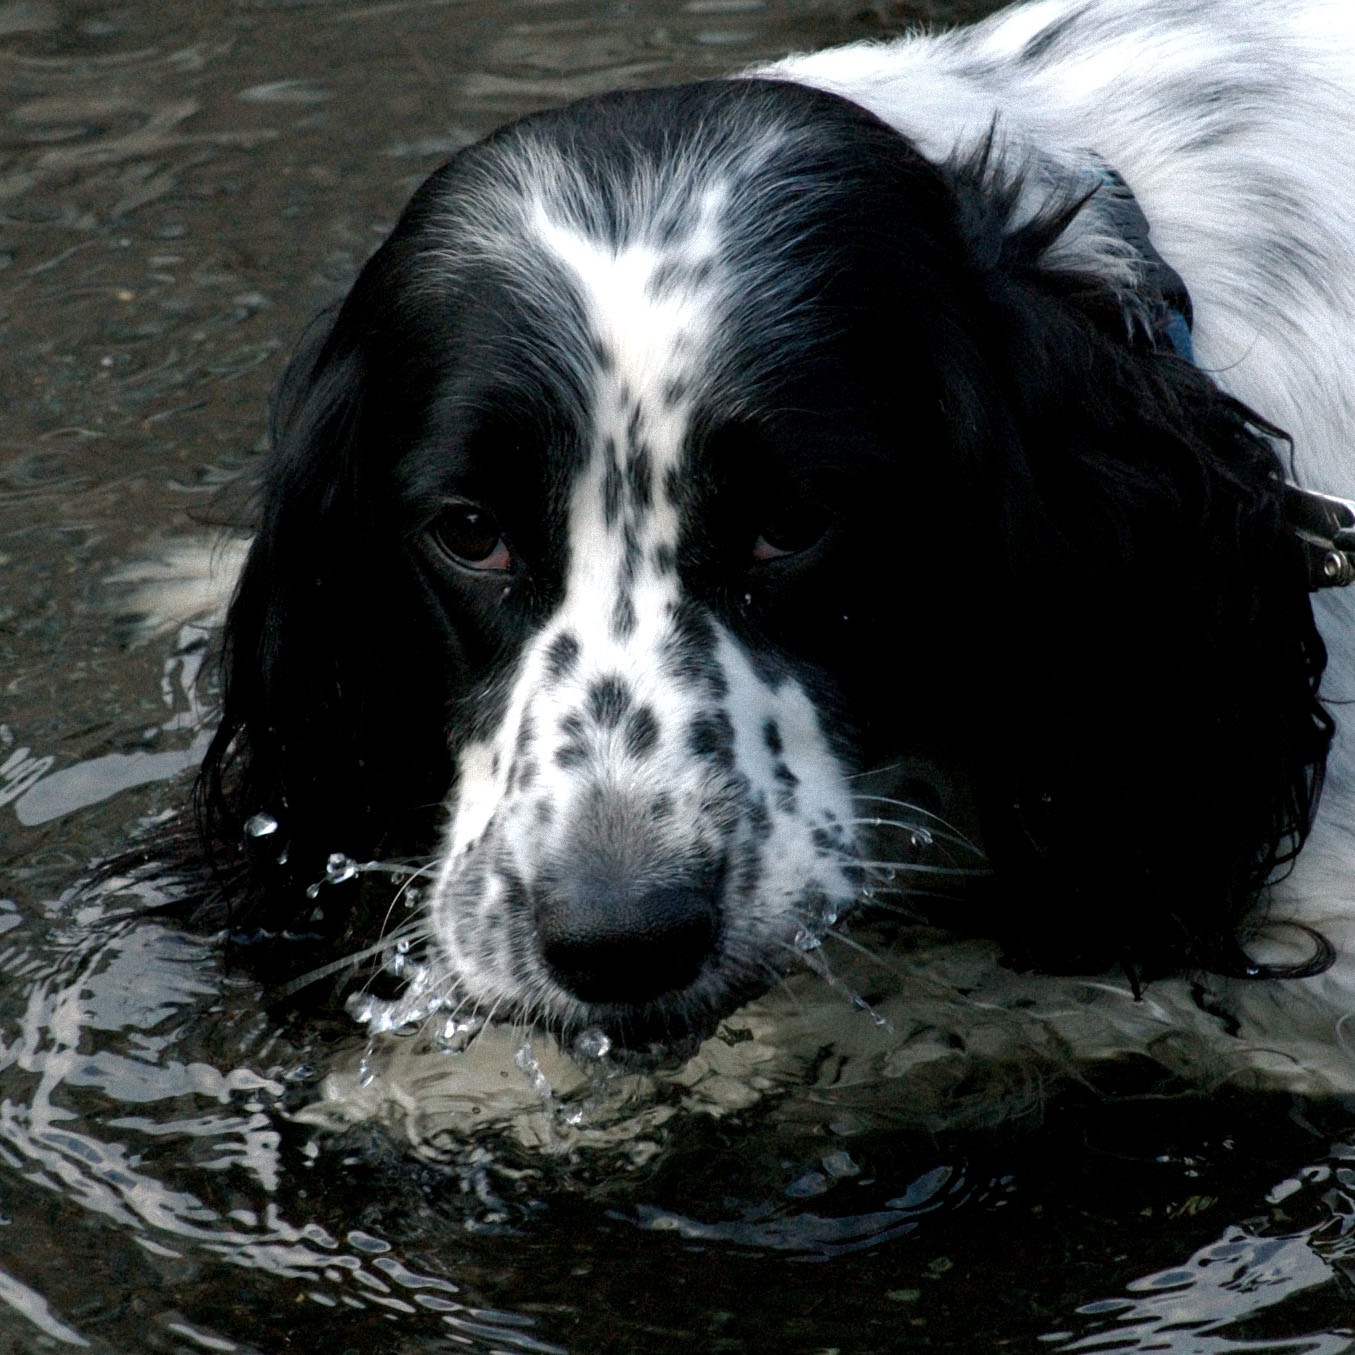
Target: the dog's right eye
pixel 470 536
pixel 790 528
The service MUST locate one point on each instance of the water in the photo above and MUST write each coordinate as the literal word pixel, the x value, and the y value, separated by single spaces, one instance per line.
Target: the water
pixel 184 1167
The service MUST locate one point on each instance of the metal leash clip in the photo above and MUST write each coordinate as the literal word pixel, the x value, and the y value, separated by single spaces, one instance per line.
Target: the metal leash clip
pixel 1326 527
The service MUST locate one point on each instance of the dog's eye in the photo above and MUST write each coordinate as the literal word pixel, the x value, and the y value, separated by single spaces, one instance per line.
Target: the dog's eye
pixel 470 535
pixel 790 528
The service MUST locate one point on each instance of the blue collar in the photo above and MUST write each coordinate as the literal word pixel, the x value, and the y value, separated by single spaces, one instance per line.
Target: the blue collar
pixel 1323 524
pixel 1161 298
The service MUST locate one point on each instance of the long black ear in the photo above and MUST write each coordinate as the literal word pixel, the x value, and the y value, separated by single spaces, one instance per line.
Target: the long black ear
pixel 330 704
pixel 1149 734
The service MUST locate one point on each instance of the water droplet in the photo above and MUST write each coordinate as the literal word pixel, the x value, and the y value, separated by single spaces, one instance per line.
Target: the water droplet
pixel 451 1036
pixel 461 1031
pixel 526 1060
pixel 340 868
pixel 397 958
pixel 880 1022
pixel 592 1045
pixel 260 825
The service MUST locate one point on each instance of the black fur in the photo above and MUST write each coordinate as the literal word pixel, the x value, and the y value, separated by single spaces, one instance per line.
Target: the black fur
pixel 1073 539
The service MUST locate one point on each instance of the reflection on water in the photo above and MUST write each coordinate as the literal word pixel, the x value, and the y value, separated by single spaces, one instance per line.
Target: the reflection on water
pixel 183 1168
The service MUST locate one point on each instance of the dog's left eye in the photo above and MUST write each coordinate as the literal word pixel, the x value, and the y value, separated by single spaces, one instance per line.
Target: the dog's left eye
pixel 470 535
pixel 790 528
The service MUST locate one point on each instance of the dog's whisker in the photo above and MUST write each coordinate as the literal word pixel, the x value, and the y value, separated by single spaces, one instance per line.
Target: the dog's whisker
pixel 458 1024
pixel 782 982
pixel 910 806
pixel 945 845
pixel 843 938
pixel 816 962
pixel 911 868
pixel 893 895
pixel 485 1021
pixel 349 961
pixel 946 828
pixel 876 905
pixel 809 952
pixel 923 834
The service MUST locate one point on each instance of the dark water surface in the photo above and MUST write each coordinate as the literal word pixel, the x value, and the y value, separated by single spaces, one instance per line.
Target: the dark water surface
pixel 182 186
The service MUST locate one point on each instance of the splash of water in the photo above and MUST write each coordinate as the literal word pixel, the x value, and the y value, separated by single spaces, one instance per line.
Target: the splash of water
pixel 420 999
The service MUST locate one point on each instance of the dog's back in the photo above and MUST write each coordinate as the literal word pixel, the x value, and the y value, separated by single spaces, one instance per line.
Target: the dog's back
pixel 1231 121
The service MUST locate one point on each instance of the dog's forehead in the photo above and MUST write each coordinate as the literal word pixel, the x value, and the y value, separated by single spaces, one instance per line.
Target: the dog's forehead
pixel 653 310
pixel 647 258
pixel 652 302
pixel 652 285
pixel 646 262
pixel 674 219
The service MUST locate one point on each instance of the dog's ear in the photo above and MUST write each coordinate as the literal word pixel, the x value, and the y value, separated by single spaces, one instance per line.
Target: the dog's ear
pixel 1147 724
pixel 327 701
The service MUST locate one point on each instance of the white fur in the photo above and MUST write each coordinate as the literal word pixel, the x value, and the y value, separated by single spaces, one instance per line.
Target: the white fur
pixel 1220 185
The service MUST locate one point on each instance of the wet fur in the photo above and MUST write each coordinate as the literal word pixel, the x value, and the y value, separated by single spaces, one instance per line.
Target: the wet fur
pixel 871 285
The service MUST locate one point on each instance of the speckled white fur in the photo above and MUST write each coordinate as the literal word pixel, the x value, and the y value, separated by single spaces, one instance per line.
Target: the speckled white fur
pixel 656 311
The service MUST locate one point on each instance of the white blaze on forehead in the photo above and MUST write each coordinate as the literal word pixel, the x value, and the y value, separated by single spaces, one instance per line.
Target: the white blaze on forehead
pixel 648 299
pixel 653 307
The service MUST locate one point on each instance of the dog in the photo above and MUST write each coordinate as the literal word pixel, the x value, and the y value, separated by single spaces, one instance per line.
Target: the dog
pixel 717 509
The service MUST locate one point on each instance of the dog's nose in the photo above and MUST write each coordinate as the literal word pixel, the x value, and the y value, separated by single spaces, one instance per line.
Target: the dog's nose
pixel 608 943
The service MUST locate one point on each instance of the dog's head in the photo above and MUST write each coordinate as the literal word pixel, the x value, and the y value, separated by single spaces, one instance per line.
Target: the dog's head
pixel 684 455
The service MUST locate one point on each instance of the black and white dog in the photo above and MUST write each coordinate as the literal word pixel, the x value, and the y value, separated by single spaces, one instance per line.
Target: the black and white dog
pixel 704 486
